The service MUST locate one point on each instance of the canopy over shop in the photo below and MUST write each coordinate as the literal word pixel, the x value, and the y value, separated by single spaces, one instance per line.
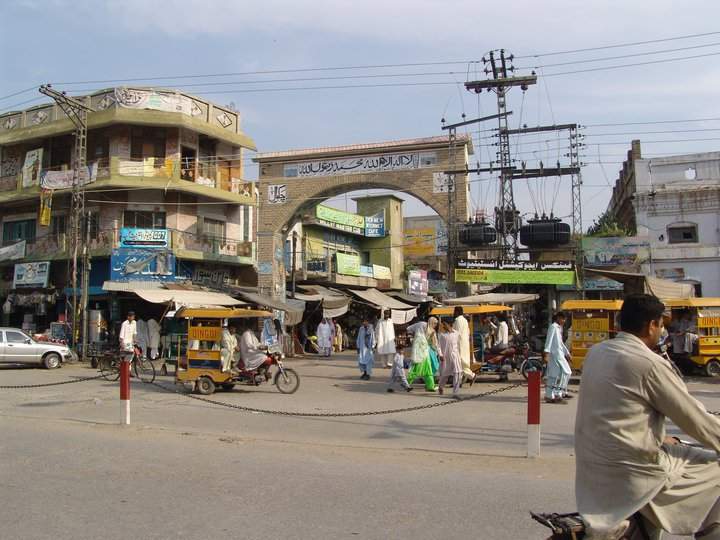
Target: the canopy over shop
pixel 636 282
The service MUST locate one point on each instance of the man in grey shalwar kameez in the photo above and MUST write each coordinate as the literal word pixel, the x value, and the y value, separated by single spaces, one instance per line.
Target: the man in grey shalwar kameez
pixel 624 462
pixel 365 345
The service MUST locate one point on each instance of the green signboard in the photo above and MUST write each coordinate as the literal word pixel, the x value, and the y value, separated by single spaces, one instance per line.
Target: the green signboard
pixel 525 277
pixel 338 216
pixel 347 265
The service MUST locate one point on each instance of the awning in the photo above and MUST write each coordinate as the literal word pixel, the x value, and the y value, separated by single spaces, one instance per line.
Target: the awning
pixel 410 298
pixel 187 298
pixel 293 312
pixel 131 286
pixel 492 298
pixel 380 300
pixel 335 312
pixel 635 282
pixel 316 293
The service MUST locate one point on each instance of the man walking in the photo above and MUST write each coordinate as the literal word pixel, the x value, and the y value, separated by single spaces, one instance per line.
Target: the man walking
pixel 460 325
pixel 624 461
pixel 556 355
pixel 385 336
pixel 365 345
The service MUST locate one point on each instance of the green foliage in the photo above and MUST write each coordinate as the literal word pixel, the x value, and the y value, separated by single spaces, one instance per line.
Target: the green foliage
pixel 607 225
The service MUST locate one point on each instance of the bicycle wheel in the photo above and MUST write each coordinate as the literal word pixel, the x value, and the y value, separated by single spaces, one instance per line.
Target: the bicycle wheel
pixel 144 369
pixel 110 368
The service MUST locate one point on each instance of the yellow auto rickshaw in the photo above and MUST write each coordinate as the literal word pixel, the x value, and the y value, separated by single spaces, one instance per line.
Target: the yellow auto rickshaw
pixel 593 321
pixel 704 326
pixel 200 363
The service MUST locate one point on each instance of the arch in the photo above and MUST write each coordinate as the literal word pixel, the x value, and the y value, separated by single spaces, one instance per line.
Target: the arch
pixel 293 182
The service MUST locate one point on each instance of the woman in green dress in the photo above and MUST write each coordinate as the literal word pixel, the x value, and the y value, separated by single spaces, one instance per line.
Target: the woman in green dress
pixel 421 356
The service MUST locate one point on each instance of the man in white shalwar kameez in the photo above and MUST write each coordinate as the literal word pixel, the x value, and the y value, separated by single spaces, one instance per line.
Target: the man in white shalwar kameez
pixel 325 336
pixel 461 326
pixel 385 337
pixel 624 462
pixel 154 338
pixel 365 344
pixel 556 354
pixel 251 352
pixel 228 347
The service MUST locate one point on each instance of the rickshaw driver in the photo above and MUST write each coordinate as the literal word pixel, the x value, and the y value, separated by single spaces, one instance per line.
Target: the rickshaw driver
pixel 252 353
pixel 624 462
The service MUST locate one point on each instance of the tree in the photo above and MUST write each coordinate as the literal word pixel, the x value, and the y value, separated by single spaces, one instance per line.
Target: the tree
pixel 607 225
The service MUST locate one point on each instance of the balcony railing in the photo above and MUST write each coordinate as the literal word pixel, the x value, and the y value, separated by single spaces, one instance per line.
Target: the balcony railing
pixel 211 245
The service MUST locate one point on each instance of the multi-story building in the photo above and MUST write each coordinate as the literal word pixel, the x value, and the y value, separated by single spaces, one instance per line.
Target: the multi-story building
pixel 158 160
pixel 425 249
pixel 338 248
pixel 676 202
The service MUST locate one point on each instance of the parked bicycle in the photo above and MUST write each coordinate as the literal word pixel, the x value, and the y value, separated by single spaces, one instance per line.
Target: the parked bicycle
pixel 140 366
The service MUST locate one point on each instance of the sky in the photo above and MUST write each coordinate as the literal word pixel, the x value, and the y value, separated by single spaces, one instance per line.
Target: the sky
pixel 268 58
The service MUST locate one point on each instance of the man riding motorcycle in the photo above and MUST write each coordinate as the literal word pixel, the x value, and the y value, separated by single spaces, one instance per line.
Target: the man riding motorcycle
pixel 624 462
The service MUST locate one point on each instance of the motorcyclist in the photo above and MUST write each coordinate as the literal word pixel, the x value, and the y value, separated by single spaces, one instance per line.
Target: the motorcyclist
pixel 252 354
pixel 625 464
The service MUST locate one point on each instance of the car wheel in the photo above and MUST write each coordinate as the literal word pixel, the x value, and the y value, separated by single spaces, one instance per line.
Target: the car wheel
pixel 52 360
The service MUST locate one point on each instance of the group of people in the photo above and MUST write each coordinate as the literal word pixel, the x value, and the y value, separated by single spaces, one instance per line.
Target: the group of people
pixel 439 349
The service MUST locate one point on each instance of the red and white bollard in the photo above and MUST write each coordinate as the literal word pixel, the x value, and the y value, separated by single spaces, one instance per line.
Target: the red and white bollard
pixel 533 414
pixel 124 392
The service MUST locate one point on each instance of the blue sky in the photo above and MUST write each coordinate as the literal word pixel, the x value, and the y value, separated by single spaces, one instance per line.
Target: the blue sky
pixel 60 41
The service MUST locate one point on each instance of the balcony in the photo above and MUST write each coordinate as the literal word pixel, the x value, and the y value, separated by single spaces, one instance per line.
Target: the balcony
pixel 184 245
pixel 197 177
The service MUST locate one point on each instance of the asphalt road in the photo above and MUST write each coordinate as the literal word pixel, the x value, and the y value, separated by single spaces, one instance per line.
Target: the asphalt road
pixel 188 469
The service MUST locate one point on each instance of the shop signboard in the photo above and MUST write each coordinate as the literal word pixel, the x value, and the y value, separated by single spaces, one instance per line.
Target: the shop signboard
pixel 418 282
pixel 521 272
pixel 366 271
pixel 34 274
pixel 144 238
pixel 340 220
pixel 381 272
pixel 213 278
pixel 142 264
pixel 14 251
pixel 420 242
pixel 375 225
pixel 348 265
pixel 615 251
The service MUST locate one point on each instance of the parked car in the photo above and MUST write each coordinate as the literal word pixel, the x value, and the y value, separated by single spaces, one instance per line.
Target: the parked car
pixel 16 347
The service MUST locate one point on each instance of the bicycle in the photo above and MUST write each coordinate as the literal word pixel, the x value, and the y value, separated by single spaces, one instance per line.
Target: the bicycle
pixel 140 366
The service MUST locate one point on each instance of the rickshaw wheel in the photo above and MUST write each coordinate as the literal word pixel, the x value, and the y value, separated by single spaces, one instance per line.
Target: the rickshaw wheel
pixel 712 368
pixel 227 386
pixel 205 386
pixel 287 383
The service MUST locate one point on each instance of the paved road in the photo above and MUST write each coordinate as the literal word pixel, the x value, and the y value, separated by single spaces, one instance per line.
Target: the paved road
pixel 186 469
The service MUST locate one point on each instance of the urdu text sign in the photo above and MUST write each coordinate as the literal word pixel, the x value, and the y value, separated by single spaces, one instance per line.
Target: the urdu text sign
pixel 520 277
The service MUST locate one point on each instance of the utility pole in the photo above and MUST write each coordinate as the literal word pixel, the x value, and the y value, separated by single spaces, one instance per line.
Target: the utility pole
pixel 85 286
pixel 502 81
pixel 76 111
pixel 293 264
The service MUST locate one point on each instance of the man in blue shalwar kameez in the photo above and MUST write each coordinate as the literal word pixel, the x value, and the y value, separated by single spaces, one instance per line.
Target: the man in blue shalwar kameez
pixel 556 354
pixel 365 346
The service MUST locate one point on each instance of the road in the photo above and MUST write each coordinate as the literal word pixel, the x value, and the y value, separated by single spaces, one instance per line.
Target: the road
pixel 189 469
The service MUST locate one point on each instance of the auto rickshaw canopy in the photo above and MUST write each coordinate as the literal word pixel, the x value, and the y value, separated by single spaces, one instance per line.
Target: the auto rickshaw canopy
pixel 696 302
pixel 576 305
pixel 220 313
pixel 445 311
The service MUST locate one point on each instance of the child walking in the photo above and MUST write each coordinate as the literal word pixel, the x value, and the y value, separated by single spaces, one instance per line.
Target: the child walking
pixel 398 371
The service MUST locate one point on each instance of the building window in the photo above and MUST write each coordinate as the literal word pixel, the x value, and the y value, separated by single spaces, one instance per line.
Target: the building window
pixel 58 226
pixel 214 228
pixel 15 231
pixel 143 220
pixel 683 234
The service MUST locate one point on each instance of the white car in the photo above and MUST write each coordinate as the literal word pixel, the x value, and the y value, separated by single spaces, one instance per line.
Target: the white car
pixel 16 347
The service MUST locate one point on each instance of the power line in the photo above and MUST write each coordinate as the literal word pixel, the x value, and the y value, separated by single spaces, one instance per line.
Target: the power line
pixel 620 45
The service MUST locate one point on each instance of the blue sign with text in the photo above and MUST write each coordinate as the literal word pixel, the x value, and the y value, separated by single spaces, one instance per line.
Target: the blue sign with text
pixel 144 238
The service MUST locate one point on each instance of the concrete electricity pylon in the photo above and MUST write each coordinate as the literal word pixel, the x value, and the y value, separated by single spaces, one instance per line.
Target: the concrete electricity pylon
pixel 76 111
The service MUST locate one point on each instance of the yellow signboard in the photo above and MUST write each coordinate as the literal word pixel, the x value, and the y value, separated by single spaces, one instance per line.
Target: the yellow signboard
pixel 205 333
pixel 420 242
pixel 600 324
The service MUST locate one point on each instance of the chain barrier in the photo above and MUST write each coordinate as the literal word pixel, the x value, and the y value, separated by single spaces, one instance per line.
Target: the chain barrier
pixel 43 385
pixel 339 415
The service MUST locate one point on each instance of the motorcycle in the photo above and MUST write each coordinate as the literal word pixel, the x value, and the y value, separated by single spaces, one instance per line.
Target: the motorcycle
pixel 285 379
pixel 516 358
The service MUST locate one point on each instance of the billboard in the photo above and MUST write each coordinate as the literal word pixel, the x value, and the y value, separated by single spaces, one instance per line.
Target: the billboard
pixel 144 238
pixel 34 274
pixel 348 265
pixel 375 225
pixel 615 250
pixel 521 272
pixel 142 264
